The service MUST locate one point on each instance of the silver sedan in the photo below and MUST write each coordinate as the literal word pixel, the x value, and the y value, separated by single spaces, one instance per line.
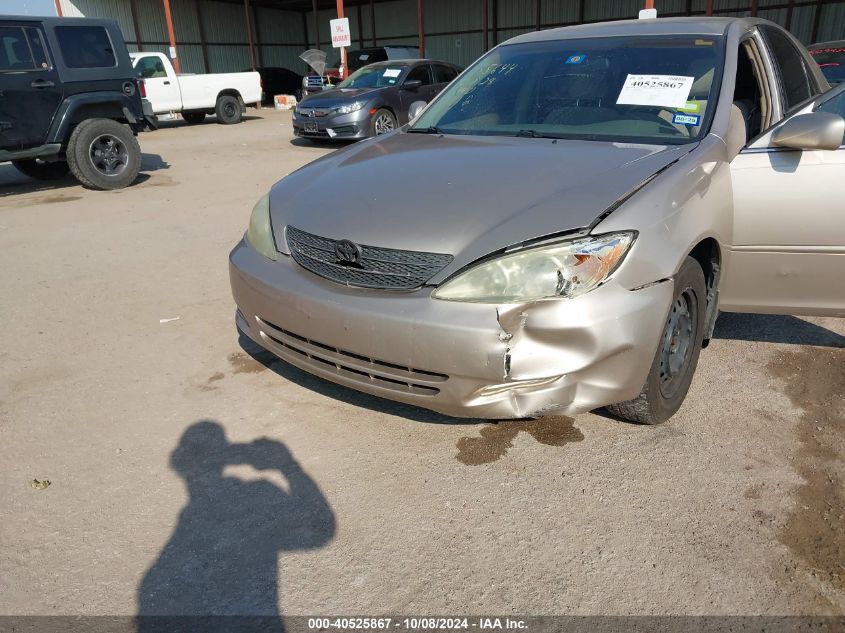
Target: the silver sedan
pixel 559 229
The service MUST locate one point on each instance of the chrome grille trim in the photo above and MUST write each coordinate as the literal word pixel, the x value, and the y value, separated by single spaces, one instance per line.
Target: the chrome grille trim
pixel 300 350
pixel 382 268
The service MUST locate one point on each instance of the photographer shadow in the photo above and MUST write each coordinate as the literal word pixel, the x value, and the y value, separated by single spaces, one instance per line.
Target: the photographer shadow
pixel 220 570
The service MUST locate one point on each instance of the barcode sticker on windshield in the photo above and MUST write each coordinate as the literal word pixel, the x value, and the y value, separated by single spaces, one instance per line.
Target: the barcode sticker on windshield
pixel 392 72
pixel 668 91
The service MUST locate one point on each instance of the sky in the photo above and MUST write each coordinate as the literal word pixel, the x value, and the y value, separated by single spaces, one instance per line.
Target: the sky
pixel 27 7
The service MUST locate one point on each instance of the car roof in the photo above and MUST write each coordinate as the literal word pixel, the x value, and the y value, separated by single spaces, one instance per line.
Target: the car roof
pixel 409 62
pixel 832 44
pixel 659 26
pixel 53 20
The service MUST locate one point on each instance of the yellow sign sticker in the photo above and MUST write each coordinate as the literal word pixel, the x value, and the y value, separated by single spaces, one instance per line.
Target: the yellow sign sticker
pixel 690 106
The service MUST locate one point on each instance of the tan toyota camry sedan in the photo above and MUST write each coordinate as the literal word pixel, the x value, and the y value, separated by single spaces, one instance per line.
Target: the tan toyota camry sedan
pixel 558 230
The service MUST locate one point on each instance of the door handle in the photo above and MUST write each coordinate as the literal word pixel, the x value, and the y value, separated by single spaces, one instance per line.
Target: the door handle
pixel 42 83
pixel 166 83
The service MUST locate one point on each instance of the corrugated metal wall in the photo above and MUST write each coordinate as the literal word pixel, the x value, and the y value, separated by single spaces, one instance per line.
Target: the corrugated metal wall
pixel 453 28
pixel 279 34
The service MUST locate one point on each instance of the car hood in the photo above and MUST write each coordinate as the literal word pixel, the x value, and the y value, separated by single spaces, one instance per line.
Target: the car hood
pixel 335 97
pixel 467 196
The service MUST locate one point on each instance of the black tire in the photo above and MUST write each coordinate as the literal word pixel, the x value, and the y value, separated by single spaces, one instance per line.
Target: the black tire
pixel 383 122
pixel 228 110
pixel 192 118
pixel 42 170
pixel 103 154
pixel 677 352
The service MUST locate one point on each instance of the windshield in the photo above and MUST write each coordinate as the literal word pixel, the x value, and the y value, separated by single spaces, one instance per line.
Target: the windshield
pixel 627 89
pixel 373 77
pixel 832 62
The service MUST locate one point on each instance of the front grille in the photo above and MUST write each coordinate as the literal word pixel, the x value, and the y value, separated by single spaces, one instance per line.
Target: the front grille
pixel 383 268
pixel 310 354
pixel 314 81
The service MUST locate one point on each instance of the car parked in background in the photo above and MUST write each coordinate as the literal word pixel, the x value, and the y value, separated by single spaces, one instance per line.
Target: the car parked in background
pixel 355 60
pixel 222 94
pixel 276 80
pixel 69 100
pixel 559 229
pixel 830 56
pixel 373 100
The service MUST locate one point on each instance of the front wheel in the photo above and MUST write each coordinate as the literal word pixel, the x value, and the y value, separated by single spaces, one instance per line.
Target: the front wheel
pixel 41 170
pixel 677 352
pixel 383 122
pixel 104 154
pixel 228 110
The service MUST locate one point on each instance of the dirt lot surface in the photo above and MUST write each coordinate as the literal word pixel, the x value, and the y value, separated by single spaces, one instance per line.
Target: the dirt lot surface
pixel 123 384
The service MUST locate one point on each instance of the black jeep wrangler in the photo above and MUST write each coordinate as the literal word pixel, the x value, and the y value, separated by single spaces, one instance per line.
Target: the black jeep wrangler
pixel 69 99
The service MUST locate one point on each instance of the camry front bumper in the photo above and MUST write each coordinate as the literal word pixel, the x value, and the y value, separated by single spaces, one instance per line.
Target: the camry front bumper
pixel 461 359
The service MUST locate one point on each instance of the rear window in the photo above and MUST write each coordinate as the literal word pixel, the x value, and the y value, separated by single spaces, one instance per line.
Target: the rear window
pixel 86 47
pixel 21 49
pixel 831 60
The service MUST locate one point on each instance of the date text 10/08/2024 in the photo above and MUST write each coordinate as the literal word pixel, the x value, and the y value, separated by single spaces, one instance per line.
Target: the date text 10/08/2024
pixel 424 623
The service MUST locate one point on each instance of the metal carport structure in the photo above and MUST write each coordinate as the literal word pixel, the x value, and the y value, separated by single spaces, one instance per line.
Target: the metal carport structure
pixel 225 35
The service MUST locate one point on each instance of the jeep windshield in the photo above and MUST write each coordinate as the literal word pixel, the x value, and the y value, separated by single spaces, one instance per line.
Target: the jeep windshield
pixel 626 89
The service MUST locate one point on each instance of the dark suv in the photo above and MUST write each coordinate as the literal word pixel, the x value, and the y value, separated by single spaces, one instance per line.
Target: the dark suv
pixel 70 100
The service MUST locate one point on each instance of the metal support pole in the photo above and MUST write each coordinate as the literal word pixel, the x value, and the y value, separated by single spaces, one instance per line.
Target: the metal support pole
pixel 421 27
pixel 536 15
pixel 360 28
pixel 495 22
pixel 257 33
pixel 133 9
pixel 789 8
pixel 754 6
pixel 484 25
pixel 203 43
pixel 649 4
pixel 316 24
pixel 817 21
pixel 249 33
pixel 708 7
pixel 582 10
pixel 58 7
pixel 345 71
pixel 373 21
pixel 171 34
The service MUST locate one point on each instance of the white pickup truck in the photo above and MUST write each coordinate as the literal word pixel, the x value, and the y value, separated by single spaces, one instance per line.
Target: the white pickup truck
pixel 194 96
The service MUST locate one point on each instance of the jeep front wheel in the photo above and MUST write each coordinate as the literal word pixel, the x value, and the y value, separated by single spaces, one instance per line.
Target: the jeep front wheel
pixel 41 170
pixel 104 154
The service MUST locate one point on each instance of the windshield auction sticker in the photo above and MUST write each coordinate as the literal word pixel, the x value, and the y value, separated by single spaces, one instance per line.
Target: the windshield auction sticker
pixel 668 91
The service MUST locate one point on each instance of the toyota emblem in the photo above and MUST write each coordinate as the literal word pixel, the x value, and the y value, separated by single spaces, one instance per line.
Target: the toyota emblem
pixel 347 253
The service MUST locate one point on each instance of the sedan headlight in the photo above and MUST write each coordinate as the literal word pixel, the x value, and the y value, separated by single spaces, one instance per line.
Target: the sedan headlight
pixel 260 232
pixel 351 107
pixel 566 269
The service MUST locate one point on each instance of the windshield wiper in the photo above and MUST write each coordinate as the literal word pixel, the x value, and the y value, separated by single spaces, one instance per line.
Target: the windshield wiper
pixel 535 134
pixel 425 130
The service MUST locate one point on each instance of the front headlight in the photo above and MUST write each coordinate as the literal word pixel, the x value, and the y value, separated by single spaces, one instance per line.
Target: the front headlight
pixel 566 269
pixel 259 235
pixel 351 107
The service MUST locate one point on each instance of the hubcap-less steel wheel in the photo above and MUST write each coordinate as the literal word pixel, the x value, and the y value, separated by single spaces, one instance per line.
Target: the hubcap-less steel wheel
pixel 229 109
pixel 676 349
pixel 109 155
pixel 384 124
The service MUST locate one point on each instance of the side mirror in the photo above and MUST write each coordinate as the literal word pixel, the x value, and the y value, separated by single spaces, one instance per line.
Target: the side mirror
pixel 415 109
pixel 411 85
pixel 816 130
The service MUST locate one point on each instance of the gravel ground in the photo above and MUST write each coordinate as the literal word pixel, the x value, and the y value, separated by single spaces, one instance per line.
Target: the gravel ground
pixel 123 383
